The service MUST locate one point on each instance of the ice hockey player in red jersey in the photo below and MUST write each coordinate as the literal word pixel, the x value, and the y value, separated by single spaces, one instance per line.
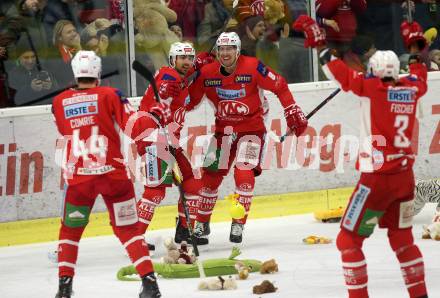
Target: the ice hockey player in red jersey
pixel 169 81
pixel 234 85
pixel 86 117
pixel 384 194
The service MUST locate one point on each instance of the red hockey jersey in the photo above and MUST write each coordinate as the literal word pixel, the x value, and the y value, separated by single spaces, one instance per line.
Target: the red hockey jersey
pixel 238 99
pixel 388 115
pixel 177 104
pixel 86 119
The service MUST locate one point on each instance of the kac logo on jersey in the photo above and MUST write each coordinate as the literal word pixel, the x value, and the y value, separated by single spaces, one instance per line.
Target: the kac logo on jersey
pixel 228 108
pixel 81 109
pixel 230 94
pixel 401 96
pixel 240 79
pixel 213 82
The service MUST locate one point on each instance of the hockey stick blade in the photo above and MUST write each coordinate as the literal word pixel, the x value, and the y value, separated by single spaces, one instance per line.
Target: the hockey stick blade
pixel 318 107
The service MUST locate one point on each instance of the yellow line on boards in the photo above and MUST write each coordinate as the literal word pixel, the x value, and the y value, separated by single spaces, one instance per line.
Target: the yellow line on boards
pixel 44 230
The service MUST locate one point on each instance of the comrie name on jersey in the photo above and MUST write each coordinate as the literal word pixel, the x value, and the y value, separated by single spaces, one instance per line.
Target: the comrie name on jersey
pixel 83 121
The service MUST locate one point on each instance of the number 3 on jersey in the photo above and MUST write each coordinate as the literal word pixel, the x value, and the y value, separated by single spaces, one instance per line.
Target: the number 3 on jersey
pixel 401 124
pixel 96 145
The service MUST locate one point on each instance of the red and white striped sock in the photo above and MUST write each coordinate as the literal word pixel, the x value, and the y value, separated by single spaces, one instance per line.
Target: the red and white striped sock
pixel 413 270
pixel 355 272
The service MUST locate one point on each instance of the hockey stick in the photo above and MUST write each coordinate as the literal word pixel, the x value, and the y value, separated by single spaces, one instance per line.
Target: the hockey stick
pixel 178 180
pixel 146 74
pixel 318 107
pixel 408 6
pixel 56 92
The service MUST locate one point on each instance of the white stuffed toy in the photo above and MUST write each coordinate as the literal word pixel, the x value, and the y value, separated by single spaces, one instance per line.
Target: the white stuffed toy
pixel 432 231
pixel 218 283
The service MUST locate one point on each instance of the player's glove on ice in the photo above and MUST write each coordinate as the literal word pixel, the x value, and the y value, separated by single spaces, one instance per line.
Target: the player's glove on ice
pixel 315 36
pixel 295 118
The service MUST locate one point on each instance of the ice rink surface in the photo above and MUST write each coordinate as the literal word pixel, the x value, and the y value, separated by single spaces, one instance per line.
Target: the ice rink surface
pixel 305 270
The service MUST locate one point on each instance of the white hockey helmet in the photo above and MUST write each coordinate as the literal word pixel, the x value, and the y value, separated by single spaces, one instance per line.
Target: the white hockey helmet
pixel 229 39
pixel 86 64
pixel 178 49
pixel 384 64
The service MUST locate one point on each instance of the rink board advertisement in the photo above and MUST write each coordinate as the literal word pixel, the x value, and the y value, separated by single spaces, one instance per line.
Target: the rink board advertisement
pixel 31 183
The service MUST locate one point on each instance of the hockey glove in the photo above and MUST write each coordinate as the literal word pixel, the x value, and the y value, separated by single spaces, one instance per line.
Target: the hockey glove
pixel 315 36
pixel 296 120
pixel 162 112
pixel 202 59
pixel 412 33
pixel 169 89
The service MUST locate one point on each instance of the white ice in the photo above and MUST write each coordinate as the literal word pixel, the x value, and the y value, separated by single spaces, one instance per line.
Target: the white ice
pixel 305 270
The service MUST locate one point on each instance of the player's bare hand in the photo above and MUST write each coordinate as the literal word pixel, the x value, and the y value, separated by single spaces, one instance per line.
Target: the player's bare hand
pixel 333 24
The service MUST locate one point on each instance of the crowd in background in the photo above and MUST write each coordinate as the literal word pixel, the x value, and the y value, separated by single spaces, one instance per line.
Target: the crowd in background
pixel 38 38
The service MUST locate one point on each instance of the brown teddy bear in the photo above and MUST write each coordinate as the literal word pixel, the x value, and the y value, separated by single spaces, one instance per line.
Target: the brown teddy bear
pixel 183 255
pixel 153 37
pixel 243 270
pixel 269 267
pixel 265 287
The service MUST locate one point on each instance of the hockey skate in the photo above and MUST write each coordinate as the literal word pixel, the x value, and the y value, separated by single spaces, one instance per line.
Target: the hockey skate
pixel 65 287
pixel 149 289
pixel 182 234
pixel 236 234
pixel 151 247
pixel 202 229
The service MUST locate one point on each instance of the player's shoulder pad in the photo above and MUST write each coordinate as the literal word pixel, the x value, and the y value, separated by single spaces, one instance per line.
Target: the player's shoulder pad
pixel 262 69
pixel 120 95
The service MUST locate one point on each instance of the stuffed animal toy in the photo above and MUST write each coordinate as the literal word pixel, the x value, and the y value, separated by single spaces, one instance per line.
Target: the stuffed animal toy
pixel 153 36
pixel 432 231
pixel 265 287
pixel 218 283
pixel 177 256
pixel 269 267
pixel 243 270
pixel 273 11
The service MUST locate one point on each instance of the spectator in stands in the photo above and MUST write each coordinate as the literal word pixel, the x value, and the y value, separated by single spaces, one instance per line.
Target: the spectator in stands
pixel 66 39
pixel 28 78
pixel 339 19
pixel 434 59
pixel 189 15
pixel 177 30
pixel 213 23
pixel 96 36
pixel 251 30
pixel 361 49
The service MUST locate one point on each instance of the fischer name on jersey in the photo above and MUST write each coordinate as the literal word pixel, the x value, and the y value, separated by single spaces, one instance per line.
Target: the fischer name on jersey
pixel 388 115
